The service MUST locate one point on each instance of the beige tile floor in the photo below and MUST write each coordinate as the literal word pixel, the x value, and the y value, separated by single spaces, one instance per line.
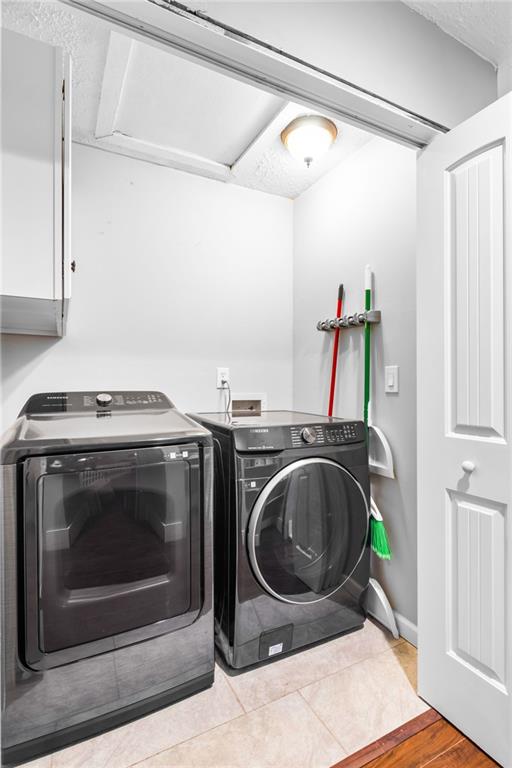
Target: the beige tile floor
pixel 311 709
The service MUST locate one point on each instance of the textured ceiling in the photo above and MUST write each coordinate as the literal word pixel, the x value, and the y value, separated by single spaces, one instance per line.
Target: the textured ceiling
pixel 269 166
pixel 265 165
pixel 484 26
pixel 86 40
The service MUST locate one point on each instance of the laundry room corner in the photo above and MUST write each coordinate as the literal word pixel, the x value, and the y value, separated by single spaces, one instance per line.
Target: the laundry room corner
pixel 342 223
pixel 255 470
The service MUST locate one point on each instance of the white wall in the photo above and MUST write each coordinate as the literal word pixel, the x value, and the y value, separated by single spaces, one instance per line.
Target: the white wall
pixel 363 212
pixel 380 45
pixel 175 275
pixel 505 77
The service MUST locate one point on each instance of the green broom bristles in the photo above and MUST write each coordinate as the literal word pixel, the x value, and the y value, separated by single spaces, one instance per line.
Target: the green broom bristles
pixel 380 543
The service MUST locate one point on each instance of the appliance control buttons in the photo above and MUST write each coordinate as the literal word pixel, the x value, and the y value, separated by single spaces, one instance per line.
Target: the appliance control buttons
pixel 308 434
pixel 345 433
pixel 103 399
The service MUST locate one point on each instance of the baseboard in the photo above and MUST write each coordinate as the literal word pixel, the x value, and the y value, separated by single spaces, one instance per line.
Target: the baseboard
pixel 407 629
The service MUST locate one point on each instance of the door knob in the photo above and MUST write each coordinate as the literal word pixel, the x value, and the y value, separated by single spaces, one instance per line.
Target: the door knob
pixel 468 466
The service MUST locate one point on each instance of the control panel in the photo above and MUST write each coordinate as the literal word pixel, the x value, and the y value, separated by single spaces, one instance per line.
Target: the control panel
pixel 337 433
pixel 299 436
pixel 66 402
pixel 346 432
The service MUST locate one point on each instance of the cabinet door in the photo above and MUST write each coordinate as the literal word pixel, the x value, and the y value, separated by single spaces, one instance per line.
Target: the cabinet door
pixel 35 184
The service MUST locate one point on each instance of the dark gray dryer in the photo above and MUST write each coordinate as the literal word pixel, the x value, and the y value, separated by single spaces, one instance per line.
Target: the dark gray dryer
pixel 291 523
pixel 107 527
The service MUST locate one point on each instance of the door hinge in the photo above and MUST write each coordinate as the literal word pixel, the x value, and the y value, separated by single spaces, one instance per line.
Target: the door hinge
pixel 73 266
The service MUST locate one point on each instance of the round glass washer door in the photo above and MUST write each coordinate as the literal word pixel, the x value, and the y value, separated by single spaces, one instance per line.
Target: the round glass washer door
pixel 308 530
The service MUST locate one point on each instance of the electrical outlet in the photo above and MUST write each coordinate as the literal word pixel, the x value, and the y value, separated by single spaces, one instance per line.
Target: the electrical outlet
pixel 222 375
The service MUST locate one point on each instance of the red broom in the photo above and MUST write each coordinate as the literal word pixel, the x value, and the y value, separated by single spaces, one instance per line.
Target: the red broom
pixel 339 308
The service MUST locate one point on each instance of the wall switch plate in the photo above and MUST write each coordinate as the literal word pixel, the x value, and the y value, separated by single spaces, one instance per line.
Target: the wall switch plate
pixel 391 379
pixel 222 375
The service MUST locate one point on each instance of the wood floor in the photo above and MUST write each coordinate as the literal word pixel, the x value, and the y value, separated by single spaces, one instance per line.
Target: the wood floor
pixel 428 740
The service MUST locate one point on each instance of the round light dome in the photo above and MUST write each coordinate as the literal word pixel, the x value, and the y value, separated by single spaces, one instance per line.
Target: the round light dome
pixel 309 137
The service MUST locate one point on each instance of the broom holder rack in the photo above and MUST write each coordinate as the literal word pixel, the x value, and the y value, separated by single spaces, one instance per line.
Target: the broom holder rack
pixel 358 319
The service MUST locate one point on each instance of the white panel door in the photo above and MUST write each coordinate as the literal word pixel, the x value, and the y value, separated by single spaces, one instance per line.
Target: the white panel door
pixel 464 427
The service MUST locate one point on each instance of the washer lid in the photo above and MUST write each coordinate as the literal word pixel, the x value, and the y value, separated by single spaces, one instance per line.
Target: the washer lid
pixel 75 421
pixel 308 530
pixel 266 419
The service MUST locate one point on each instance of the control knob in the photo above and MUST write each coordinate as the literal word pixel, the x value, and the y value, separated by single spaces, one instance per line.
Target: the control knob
pixel 308 434
pixel 104 399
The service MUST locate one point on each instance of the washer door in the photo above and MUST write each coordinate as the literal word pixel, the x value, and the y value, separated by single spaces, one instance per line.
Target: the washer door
pixel 308 530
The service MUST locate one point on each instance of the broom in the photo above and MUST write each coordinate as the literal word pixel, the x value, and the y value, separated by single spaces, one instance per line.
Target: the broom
pixel 339 310
pixel 379 537
pixel 380 541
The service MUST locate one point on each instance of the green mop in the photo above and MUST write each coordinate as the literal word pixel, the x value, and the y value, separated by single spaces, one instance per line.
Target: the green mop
pixel 379 537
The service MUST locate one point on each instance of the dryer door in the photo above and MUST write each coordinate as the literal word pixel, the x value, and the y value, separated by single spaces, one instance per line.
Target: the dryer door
pixel 308 530
pixel 112 549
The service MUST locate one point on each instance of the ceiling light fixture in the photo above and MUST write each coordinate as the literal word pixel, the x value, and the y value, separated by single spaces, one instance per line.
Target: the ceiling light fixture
pixel 309 137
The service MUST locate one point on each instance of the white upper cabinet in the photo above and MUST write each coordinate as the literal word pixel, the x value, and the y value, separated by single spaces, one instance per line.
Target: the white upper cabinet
pixel 36 140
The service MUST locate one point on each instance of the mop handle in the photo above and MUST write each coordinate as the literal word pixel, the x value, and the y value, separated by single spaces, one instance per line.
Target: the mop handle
pixel 339 309
pixel 367 332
